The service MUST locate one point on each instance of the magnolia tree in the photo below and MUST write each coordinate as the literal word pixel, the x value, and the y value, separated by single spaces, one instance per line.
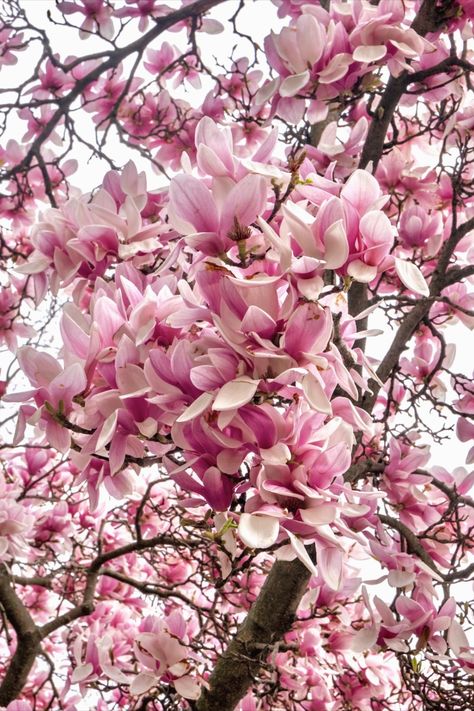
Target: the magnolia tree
pixel 219 489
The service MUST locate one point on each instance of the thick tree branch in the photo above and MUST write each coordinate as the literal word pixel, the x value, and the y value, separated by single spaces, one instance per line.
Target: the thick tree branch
pixel 28 640
pixel 270 617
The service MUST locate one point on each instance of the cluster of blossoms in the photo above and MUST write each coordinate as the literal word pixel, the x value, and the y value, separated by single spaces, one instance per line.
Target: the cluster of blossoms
pixel 213 405
pixel 213 351
pixel 213 363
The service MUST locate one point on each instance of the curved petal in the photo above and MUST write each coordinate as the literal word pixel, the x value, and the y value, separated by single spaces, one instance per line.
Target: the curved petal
pixel 258 531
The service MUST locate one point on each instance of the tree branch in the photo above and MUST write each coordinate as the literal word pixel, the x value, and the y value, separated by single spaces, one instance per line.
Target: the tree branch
pixel 28 640
pixel 268 620
pixel 114 58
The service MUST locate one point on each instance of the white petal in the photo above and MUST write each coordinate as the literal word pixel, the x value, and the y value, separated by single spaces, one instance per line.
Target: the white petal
pixel 235 394
pixel 292 85
pixel 108 429
pixel 336 246
pixel 366 311
pixel 142 683
pixel 457 638
pixel 411 277
pixel 35 265
pixel 81 673
pixel 266 91
pixel 400 578
pixel 187 687
pixel 367 334
pixel 369 54
pixel 320 514
pixel 302 553
pixel 364 639
pixel 315 394
pixel 362 272
pixel 114 673
pixel 196 408
pixel 258 531
pixel 330 564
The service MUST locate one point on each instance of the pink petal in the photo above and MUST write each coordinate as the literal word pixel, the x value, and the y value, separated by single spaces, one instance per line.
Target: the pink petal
pixel 245 202
pixel 361 190
pixel 259 321
pixel 39 368
pixel 308 330
pixel 59 437
pixel 192 202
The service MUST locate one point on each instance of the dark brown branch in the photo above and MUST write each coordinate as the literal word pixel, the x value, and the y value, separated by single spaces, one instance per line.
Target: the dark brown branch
pixel 413 542
pixel 28 640
pixel 411 321
pixel 268 620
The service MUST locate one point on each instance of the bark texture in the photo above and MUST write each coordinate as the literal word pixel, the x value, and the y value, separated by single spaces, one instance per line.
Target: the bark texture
pixel 269 619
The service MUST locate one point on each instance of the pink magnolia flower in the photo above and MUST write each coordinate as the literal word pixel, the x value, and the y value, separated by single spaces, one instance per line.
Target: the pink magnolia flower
pixel 36 124
pixel 461 295
pixel 379 36
pixel 162 649
pixel 159 59
pixel 350 233
pixel 142 9
pixel 102 96
pixel 93 661
pixel 11 42
pixel 420 229
pixel 11 327
pixel 211 226
pixel 53 394
pixel 310 57
pixel 52 80
pixel 97 16
pixel 16 524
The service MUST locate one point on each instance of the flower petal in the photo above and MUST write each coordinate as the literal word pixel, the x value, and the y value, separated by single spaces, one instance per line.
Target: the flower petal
pixel 235 394
pixel 142 683
pixel 411 277
pixel 196 408
pixel 315 394
pixel 292 85
pixel 258 531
